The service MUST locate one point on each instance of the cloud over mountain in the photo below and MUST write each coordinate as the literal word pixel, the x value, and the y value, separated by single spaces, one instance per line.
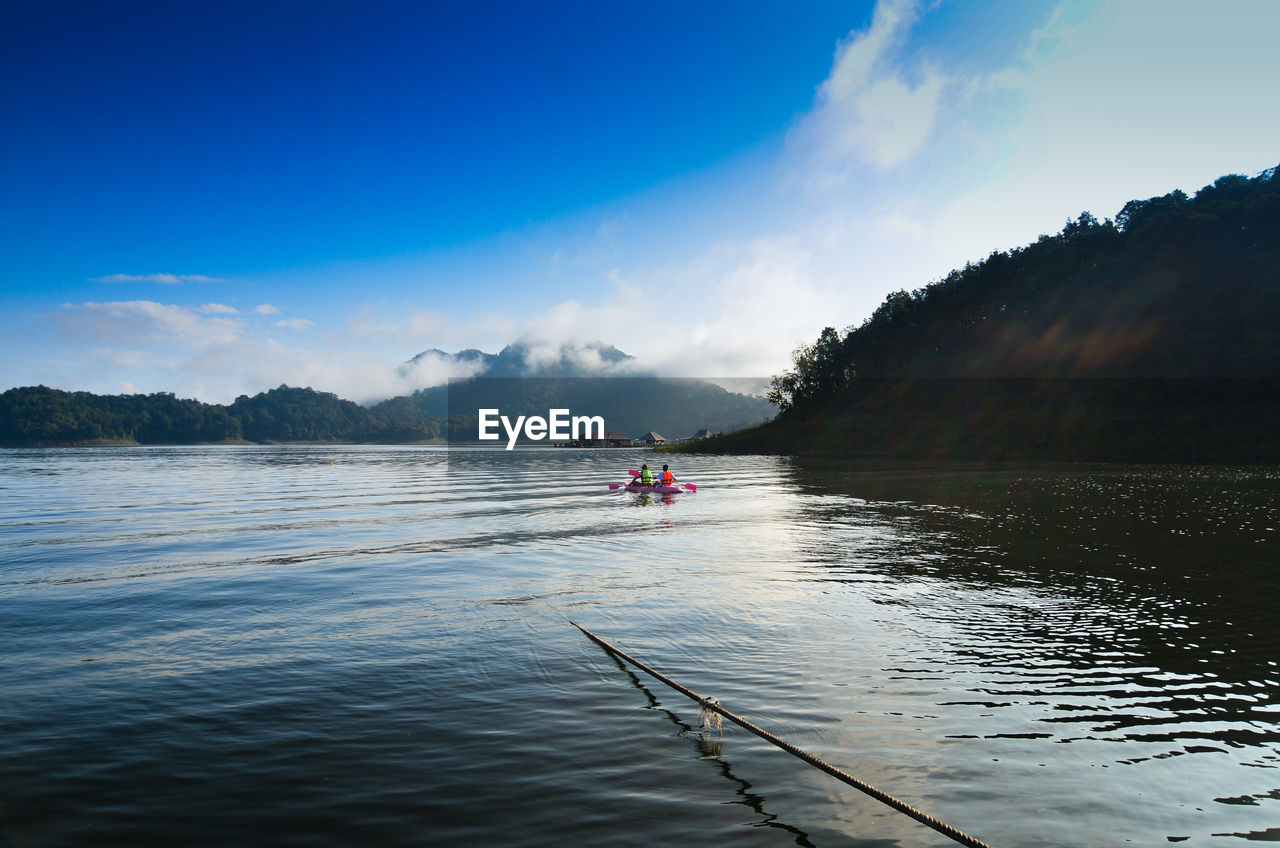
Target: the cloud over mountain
pixel 522 358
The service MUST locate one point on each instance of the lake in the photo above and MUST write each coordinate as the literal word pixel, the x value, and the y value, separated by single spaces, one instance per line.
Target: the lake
pixel 328 646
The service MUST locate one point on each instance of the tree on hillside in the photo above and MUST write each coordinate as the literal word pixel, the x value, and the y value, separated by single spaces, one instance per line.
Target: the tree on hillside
pixel 820 370
pixel 304 415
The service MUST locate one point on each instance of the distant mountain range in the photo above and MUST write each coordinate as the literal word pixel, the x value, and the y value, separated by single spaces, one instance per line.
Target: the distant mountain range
pixel 591 379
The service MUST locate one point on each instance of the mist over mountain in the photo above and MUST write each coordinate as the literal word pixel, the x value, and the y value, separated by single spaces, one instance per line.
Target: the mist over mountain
pixel 530 377
pixel 522 358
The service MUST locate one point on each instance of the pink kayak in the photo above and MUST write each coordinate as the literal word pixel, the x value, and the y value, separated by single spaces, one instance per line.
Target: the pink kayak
pixel 657 489
pixel 653 488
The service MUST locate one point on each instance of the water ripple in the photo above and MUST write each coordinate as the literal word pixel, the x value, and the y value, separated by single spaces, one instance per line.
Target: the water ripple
pixel 370 644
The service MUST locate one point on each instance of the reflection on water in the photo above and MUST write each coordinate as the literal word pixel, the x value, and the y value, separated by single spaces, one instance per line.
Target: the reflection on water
pixel 709 743
pixel 328 645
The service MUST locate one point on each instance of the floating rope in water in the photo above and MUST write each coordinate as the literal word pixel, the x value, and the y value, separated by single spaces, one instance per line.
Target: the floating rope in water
pixel 712 706
pixel 711 718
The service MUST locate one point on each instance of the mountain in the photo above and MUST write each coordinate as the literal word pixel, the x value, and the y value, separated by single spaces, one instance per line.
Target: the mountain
pixel 523 359
pixel 591 379
pixel 462 361
pixel 1153 337
pixel 675 408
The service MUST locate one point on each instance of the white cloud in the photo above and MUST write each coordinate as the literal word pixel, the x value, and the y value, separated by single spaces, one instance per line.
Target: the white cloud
pixel 265 309
pixel 218 309
pixel 411 331
pixel 128 358
pixel 417 327
pixel 216 357
pixel 163 279
pixel 145 321
pixel 432 369
pixel 735 309
pixel 869 111
pixel 570 333
pixel 351 372
pixel 295 323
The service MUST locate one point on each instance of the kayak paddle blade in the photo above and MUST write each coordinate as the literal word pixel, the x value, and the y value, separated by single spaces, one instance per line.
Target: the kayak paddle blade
pixel 691 487
pixel 613 486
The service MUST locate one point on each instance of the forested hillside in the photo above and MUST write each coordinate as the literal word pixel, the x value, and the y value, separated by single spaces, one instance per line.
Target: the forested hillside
pixel 40 415
pixel 1153 336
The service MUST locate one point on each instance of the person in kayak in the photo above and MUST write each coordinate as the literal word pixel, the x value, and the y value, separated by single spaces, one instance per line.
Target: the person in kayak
pixel 646 476
pixel 668 479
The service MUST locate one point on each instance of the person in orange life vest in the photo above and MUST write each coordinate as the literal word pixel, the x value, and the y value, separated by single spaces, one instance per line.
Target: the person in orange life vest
pixel 667 478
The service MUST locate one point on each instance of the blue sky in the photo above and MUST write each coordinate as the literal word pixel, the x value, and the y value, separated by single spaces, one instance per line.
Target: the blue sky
pixel 213 199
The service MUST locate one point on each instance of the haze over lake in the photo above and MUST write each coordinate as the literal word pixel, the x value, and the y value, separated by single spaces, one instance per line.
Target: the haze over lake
pixel 370 645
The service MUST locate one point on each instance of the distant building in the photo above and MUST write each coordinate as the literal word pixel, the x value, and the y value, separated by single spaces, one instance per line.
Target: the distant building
pixel 704 433
pixel 652 438
pixel 612 439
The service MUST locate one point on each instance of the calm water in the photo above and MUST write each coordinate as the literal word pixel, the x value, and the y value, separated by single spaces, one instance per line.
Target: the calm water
pixel 354 645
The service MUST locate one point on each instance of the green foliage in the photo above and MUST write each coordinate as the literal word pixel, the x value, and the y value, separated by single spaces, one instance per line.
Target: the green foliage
pixel 43 415
pixel 820 371
pixel 400 420
pixel 299 415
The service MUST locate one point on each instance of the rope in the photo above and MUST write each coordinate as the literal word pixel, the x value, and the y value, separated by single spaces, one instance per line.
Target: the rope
pixel 713 705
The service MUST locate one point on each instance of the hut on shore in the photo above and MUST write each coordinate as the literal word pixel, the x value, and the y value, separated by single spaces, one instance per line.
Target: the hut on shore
pixel 652 438
pixel 612 439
